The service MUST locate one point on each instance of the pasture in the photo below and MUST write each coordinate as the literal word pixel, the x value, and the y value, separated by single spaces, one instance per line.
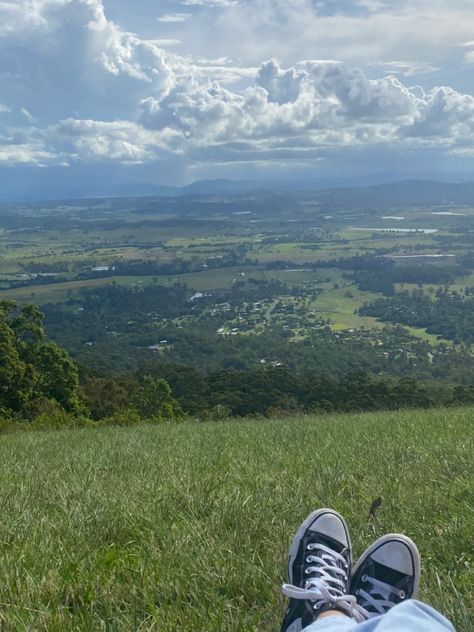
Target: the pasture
pixel 186 526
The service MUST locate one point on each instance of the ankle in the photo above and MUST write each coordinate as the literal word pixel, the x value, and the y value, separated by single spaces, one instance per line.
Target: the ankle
pixel 331 613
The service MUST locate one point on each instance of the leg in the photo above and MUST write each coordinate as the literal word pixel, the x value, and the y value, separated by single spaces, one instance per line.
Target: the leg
pixel 409 616
pixel 333 622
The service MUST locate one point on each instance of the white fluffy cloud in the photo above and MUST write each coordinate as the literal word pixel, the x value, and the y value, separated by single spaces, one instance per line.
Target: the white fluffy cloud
pixel 118 141
pixel 312 106
pixel 24 154
pixel 446 115
pixel 174 18
pixel 77 86
pixel 209 3
pixel 64 57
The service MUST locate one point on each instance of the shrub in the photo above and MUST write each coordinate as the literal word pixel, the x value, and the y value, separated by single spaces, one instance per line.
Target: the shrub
pixel 220 412
pixel 58 421
pixel 124 417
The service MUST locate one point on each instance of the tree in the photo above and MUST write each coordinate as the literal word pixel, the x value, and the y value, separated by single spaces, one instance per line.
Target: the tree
pixel 106 396
pixel 32 369
pixel 154 400
pixel 188 384
pixel 463 395
pixel 12 371
pixel 56 376
pixel 409 393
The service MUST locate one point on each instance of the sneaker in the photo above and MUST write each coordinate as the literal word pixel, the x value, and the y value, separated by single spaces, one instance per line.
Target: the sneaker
pixel 386 574
pixel 319 566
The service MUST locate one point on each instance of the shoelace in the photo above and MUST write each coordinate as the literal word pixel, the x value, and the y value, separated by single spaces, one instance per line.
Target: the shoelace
pixel 327 583
pixel 377 597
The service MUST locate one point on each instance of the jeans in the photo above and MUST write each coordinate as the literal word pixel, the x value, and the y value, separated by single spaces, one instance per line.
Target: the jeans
pixel 409 616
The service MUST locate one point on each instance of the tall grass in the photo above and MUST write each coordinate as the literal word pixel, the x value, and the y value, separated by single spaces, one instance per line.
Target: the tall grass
pixel 186 527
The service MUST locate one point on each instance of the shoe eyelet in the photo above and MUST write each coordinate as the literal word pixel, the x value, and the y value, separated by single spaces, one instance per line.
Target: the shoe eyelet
pixel 307 571
pixel 402 594
pixel 364 578
pixel 310 547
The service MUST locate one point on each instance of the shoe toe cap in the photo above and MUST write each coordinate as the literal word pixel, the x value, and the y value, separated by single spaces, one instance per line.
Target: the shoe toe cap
pixel 395 555
pixel 331 525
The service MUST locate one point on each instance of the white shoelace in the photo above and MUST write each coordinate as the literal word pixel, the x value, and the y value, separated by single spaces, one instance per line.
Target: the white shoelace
pixel 377 597
pixel 327 582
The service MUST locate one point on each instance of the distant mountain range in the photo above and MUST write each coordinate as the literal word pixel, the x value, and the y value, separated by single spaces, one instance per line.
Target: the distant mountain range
pixel 379 191
pixel 402 193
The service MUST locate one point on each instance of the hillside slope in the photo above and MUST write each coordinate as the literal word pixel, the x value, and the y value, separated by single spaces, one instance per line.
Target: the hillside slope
pixel 186 527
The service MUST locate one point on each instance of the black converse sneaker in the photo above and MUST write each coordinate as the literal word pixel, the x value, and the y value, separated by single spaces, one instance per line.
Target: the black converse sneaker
pixel 319 566
pixel 386 574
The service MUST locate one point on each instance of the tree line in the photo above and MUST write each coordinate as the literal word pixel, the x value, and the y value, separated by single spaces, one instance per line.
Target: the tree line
pixel 447 314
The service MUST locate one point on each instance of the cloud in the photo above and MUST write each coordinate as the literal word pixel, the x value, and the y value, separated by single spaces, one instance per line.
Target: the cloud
pixel 174 18
pixel 299 110
pixel 354 96
pixel 302 113
pixel 65 57
pixel 73 141
pixel 116 96
pixel 408 68
pixel 23 154
pixel 426 32
pixel 445 115
pixel 469 57
pixel 282 86
pixel 209 3
pixel 287 113
pixel 118 141
pixel 23 147
pixel 124 53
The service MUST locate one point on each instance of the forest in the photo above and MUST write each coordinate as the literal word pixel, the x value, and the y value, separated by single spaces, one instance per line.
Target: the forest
pixel 449 314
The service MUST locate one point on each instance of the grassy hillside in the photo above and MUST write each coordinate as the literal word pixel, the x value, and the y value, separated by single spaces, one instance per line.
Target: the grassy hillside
pixel 186 527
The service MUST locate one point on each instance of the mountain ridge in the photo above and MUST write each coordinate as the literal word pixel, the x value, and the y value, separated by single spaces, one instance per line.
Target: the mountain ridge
pixel 402 193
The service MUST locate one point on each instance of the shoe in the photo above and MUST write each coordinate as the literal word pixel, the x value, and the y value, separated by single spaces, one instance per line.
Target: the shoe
pixel 319 566
pixel 386 574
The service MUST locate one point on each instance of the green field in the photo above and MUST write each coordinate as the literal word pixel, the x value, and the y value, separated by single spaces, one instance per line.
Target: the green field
pixel 58 292
pixel 186 526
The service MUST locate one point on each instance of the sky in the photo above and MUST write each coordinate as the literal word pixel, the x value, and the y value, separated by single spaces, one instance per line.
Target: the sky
pixel 171 91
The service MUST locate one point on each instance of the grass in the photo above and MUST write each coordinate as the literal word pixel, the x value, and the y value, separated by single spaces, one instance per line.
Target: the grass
pixel 186 527
pixel 339 304
pixel 58 292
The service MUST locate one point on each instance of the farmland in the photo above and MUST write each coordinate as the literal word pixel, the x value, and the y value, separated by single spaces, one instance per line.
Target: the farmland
pixel 289 264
